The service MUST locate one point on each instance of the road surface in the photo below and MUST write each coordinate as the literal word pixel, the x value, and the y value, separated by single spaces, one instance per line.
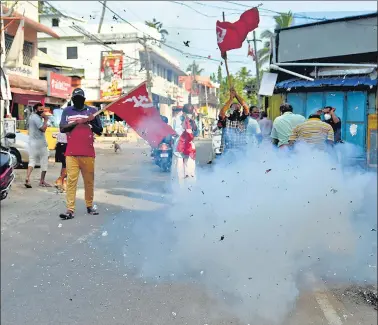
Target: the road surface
pixel 73 272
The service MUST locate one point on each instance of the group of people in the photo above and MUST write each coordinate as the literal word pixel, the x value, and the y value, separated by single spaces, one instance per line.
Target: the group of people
pixel 246 126
pixel 242 127
pixel 74 149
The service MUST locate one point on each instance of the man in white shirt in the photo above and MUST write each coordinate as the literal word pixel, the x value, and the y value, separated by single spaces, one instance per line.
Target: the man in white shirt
pixel 254 135
pixel 38 149
pixel 284 125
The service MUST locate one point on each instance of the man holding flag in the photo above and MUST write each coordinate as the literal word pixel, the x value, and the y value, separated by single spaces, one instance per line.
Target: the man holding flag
pixel 79 123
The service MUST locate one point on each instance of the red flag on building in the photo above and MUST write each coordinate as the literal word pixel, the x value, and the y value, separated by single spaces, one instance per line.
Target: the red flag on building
pixel 138 112
pixel 232 35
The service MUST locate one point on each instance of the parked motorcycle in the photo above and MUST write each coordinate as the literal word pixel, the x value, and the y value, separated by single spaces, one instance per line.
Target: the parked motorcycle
pixel 7 164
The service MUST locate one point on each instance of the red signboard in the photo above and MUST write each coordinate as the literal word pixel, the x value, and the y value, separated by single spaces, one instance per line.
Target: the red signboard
pixel 58 85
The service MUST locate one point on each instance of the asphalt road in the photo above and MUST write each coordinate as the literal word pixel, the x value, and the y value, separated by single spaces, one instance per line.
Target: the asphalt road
pixel 75 272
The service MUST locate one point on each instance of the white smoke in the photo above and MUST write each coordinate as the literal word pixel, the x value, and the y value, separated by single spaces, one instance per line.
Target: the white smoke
pixel 248 230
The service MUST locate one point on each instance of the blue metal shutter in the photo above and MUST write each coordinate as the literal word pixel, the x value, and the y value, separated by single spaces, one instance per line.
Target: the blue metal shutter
pixel 297 100
pixel 356 115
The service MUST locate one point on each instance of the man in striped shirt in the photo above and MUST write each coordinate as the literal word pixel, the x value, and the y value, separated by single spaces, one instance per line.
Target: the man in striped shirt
pixel 314 132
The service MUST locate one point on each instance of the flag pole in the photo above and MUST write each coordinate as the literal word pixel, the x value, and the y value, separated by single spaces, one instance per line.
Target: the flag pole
pixel 225 60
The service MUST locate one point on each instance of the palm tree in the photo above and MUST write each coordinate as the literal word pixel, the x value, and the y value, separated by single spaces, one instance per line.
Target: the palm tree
pixel 194 69
pixel 282 21
pixel 159 26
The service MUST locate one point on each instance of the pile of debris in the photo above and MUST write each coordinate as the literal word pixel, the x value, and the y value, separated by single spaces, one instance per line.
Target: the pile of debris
pixel 368 294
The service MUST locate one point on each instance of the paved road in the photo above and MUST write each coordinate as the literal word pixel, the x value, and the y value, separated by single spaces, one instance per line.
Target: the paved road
pixel 75 272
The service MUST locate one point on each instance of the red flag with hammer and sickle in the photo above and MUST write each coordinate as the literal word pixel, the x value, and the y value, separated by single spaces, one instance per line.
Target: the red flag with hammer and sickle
pixel 136 109
pixel 231 36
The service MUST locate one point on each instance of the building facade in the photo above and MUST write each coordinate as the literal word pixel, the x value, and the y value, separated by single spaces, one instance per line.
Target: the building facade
pixel 81 46
pixel 23 74
pixel 344 69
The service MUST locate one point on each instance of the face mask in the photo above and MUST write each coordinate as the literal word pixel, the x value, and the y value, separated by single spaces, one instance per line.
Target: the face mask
pixel 327 116
pixel 78 102
pixel 39 113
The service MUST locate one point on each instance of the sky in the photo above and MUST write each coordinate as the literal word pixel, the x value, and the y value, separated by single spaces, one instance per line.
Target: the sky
pixel 195 21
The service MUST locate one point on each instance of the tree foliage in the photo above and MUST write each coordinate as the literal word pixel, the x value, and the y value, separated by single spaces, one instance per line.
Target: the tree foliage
pixel 194 69
pixel 159 27
pixel 282 20
pixel 244 84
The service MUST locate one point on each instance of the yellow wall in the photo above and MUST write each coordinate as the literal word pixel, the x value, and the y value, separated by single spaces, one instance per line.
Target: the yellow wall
pixel 274 103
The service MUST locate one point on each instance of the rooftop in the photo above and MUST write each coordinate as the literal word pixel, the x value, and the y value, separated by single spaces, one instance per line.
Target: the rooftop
pixel 329 21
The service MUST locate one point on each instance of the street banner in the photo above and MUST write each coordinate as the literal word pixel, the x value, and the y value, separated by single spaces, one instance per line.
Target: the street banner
pixel 136 109
pixel 111 75
pixel 231 36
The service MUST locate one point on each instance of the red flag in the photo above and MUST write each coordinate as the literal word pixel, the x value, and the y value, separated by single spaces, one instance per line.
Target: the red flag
pixel 138 112
pixel 232 35
pixel 251 52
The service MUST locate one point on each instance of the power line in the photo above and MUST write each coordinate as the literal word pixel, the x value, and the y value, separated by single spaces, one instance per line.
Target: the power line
pixel 187 54
pixel 295 15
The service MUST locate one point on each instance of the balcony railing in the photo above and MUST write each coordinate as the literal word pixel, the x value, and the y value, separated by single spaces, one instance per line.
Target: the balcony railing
pixel 211 99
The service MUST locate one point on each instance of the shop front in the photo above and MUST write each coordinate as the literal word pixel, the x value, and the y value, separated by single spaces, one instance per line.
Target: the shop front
pixel 26 92
pixel 59 91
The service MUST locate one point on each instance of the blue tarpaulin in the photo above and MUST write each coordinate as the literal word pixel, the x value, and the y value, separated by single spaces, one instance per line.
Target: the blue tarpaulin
pixel 332 82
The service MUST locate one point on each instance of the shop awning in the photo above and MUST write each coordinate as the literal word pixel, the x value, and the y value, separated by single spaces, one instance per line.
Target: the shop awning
pixel 330 82
pixel 25 97
pixel 32 23
pixel 27 84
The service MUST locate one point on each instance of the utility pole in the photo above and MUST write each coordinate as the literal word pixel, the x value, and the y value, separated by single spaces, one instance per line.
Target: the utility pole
pixel 147 65
pixel 102 17
pixel 257 68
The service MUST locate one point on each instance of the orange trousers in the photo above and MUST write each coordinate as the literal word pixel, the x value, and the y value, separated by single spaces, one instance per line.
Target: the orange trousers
pixel 75 165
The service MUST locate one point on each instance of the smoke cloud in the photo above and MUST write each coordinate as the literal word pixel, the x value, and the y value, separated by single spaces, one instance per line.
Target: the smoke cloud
pixel 249 229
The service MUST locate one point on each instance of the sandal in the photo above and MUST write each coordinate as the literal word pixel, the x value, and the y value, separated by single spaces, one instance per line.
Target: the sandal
pixel 68 215
pixel 92 211
pixel 44 185
pixel 27 184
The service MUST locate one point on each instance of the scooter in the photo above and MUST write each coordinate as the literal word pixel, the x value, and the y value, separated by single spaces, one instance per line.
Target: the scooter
pixel 164 152
pixel 7 164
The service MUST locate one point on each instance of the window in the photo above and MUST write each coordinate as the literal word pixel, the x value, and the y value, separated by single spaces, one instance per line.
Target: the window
pixel 43 49
pixel 27 51
pixel 55 22
pixel 72 53
pixel 28 54
pixel 8 42
pixel 169 75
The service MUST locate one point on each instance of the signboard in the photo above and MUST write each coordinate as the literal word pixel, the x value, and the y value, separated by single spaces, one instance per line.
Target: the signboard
pixel 111 75
pixel 58 85
pixel 268 83
pixel 10 127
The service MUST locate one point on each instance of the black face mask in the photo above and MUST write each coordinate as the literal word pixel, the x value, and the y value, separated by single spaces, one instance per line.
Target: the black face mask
pixel 236 113
pixel 78 102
